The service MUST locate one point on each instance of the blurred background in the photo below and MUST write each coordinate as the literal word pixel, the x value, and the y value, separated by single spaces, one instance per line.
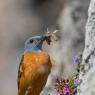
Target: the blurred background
pixel 20 19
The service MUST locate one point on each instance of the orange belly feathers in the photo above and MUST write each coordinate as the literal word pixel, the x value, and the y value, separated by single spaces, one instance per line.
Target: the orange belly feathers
pixel 33 73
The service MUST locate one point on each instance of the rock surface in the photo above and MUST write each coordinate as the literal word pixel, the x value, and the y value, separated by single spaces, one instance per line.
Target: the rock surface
pixel 87 87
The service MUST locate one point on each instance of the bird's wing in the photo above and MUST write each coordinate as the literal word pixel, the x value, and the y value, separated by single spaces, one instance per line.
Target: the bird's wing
pixel 20 71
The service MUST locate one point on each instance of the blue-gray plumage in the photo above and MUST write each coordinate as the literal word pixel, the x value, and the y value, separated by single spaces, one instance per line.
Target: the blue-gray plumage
pixel 34 44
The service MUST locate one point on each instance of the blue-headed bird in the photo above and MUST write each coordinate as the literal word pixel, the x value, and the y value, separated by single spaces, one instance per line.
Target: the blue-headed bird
pixel 34 68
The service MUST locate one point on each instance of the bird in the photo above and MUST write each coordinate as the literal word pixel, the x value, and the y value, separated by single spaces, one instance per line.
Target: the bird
pixel 35 67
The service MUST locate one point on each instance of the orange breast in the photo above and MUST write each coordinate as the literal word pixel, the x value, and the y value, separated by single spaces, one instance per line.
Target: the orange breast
pixel 35 70
pixel 39 58
pixel 35 57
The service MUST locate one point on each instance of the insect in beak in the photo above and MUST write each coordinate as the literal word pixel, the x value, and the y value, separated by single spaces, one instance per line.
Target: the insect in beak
pixel 49 36
pixel 48 39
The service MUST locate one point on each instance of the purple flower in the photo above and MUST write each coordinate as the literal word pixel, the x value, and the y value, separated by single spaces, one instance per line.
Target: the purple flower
pixel 66 90
pixel 58 81
pixel 76 59
pixel 55 89
pixel 59 93
pixel 76 83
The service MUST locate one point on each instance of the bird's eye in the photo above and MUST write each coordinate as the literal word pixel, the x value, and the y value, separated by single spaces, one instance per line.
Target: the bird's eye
pixel 31 41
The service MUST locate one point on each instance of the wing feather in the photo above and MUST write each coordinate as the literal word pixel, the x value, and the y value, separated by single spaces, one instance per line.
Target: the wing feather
pixel 20 71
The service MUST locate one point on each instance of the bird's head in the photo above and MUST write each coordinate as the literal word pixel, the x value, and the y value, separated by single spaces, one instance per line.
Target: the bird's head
pixel 34 43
